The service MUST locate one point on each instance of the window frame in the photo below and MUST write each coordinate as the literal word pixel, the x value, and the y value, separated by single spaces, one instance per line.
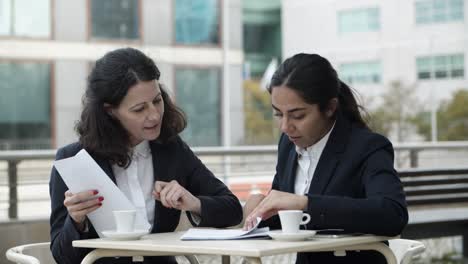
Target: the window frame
pixel 432 13
pixel 220 43
pixel 51 63
pixel 367 11
pixel 370 77
pixel 51 28
pixel 220 92
pixel 449 67
pixel 89 27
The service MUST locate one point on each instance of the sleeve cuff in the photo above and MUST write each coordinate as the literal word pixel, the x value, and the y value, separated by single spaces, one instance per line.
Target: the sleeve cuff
pixel 196 218
pixel 73 229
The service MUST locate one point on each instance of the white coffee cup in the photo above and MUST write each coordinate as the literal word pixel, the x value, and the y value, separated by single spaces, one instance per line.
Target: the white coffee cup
pixel 124 220
pixel 292 219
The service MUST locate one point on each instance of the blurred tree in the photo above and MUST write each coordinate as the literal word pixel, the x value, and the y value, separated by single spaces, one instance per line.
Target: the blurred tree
pixel 259 124
pixel 452 118
pixel 395 114
pixel 422 121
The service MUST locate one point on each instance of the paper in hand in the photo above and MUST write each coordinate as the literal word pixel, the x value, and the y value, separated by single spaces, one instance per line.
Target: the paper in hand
pixel 82 173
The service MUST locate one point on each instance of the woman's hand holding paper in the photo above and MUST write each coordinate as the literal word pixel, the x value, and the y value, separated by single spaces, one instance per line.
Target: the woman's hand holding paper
pixel 80 204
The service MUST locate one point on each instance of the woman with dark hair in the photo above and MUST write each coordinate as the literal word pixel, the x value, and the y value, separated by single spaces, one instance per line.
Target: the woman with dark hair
pixel 330 164
pixel 130 127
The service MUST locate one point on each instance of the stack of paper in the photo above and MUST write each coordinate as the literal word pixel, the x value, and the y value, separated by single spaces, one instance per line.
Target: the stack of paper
pixel 224 234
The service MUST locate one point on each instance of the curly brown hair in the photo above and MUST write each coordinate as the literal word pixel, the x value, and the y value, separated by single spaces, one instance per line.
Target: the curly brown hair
pixel 108 83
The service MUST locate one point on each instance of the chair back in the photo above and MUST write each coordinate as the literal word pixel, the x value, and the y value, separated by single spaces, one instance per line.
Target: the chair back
pixel 37 253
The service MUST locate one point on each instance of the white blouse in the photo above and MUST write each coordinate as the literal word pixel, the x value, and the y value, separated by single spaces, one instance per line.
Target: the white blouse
pixel 307 160
pixel 136 181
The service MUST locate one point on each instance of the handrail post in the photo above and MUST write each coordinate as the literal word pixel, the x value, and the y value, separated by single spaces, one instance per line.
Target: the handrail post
pixel 13 189
pixel 226 168
pixel 413 158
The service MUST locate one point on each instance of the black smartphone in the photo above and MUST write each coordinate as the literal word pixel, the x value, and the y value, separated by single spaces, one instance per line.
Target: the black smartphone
pixel 334 233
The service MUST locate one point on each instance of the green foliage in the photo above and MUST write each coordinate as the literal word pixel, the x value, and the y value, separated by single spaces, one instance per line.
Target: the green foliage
pixel 422 121
pixel 448 258
pixel 452 118
pixel 453 121
pixel 378 121
pixel 396 112
pixel 260 128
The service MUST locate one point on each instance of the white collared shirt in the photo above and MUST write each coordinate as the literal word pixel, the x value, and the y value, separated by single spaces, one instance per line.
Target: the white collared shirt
pixel 136 181
pixel 307 160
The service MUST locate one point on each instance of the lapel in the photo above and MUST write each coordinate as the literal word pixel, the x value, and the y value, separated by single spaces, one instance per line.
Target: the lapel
pixel 331 155
pixel 159 173
pixel 160 161
pixel 290 169
pixel 163 154
pixel 107 168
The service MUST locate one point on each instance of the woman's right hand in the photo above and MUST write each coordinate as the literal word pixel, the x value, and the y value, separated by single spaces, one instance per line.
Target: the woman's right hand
pixel 81 204
pixel 274 202
pixel 250 205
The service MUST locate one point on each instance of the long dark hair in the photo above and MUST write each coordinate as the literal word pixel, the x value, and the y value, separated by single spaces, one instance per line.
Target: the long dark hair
pixel 315 80
pixel 108 83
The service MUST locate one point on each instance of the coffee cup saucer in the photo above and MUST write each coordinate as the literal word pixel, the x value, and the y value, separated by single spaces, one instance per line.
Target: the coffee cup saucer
pixel 133 235
pixel 299 236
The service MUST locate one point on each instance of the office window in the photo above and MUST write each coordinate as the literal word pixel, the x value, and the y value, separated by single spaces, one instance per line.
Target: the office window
pixel 115 19
pixel 457 66
pixel 438 11
pixel 198 94
pixel 361 72
pixel 424 66
pixel 25 103
pixel 441 67
pixel 25 18
pixel 197 22
pixel 359 20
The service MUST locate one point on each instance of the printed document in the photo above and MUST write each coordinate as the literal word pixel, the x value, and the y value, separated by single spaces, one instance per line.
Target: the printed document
pixel 82 173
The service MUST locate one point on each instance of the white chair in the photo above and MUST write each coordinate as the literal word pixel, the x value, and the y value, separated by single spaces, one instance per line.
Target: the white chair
pixel 39 253
pixel 406 250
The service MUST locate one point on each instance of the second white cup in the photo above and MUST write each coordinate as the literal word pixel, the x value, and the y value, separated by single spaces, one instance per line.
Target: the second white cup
pixel 292 219
pixel 124 220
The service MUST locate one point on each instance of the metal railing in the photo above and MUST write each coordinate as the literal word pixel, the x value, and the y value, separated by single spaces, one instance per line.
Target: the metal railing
pixel 240 167
pixel 23 144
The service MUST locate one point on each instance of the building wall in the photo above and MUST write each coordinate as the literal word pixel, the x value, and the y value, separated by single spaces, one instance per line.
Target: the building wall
pixel 70 20
pixel 70 83
pixel 235 74
pixel 311 26
pixel 71 52
pixel 237 105
pixel 235 22
pixel 157 22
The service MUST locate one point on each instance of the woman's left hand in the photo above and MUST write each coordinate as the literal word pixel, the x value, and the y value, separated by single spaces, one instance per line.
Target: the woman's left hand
pixel 274 202
pixel 173 195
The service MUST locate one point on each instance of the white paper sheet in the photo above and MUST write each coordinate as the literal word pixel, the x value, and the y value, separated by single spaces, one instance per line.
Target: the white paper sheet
pixel 224 234
pixel 82 173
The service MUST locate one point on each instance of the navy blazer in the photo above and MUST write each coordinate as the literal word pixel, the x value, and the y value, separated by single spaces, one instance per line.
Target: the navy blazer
pixel 355 187
pixel 171 161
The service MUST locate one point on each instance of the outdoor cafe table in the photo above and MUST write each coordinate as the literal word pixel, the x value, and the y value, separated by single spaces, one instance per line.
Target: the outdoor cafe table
pixel 252 249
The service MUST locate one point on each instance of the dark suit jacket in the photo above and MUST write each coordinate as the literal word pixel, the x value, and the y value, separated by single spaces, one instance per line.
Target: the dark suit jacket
pixel 355 187
pixel 171 161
